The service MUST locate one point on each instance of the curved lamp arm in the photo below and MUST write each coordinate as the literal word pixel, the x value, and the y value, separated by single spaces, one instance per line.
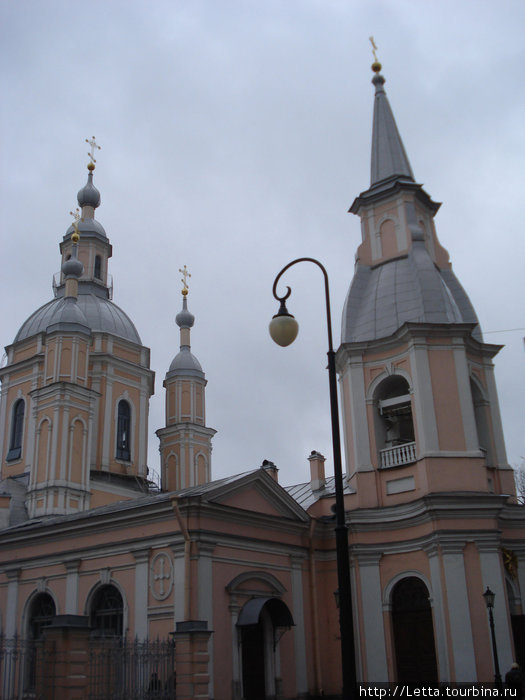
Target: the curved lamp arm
pixel 284 312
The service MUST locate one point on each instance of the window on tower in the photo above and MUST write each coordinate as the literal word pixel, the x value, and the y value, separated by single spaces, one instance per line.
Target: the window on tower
pixel 98 267
pixel 17 429
pixel 123 430
pixel 395 435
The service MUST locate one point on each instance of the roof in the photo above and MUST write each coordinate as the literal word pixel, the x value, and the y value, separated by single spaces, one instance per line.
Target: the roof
pixel 389 157
pixel 101 314
pixel 306 497
pixel 411 289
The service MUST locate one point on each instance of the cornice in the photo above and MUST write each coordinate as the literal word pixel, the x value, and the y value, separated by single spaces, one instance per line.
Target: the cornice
pixel 415 335
pixel 427 509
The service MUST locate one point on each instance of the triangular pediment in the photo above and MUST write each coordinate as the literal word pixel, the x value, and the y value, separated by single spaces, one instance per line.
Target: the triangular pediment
pixel 256 492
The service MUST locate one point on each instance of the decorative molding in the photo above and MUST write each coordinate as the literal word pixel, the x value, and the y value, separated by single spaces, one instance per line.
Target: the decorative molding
pixel 161 576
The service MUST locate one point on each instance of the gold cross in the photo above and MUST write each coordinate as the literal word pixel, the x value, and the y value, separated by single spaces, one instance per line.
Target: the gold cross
pixel 93 145
pixel 76 218
pixel 185 274
pixel 374 47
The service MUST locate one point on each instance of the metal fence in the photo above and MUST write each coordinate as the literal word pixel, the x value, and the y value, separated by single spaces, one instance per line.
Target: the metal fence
pixel 119 669
pixel 137 670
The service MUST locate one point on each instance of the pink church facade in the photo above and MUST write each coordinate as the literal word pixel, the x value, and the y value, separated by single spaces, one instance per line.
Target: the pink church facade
pixel 243 564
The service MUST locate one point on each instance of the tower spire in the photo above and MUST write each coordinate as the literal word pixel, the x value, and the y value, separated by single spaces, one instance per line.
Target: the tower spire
pixel 185 441
pixel 389 158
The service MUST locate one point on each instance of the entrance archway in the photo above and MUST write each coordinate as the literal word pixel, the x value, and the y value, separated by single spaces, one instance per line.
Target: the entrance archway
pixel 415 649
pixel 261 623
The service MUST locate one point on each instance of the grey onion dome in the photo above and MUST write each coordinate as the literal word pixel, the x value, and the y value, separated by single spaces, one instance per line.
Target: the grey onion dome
pixel 72 267
pixel 89 196
pixel 185 362
pixel 185 319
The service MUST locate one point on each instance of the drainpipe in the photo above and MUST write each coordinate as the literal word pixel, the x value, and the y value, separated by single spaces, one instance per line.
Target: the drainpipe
pixel 187 562
pixel 315 610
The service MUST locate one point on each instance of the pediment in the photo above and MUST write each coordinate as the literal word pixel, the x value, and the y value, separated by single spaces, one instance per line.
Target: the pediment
pixel 257 492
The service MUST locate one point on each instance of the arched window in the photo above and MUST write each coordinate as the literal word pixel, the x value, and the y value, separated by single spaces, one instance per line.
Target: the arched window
pixel 17 428
pixel 98 267
pixel 394 423
pixel 123 430
pixel 41 614
pixel 107 611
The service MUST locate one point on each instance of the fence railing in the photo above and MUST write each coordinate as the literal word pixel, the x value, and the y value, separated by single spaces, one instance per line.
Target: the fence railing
pixel 398 455
pixel 137 670
pixel 118 669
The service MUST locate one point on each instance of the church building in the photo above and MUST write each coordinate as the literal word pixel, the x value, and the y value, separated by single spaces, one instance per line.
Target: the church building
pixel 237 576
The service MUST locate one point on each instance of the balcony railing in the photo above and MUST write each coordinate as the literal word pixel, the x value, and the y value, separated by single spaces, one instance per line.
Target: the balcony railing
pixel 398 455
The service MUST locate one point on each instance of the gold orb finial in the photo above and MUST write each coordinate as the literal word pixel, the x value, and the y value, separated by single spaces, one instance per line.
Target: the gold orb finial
pixel 376 66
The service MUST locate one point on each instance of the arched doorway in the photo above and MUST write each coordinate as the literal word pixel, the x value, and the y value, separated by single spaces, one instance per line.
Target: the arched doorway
pixel 415 650
pixel 261 623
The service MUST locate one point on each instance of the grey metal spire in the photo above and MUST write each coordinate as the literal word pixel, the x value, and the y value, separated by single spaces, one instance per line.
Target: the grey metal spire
pixel 389 158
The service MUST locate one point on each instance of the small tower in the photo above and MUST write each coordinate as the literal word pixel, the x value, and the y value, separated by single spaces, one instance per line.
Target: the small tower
pixel 185 442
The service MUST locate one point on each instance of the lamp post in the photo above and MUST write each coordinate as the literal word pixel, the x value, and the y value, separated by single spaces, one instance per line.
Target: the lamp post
pixel 283 330
pixel 489 602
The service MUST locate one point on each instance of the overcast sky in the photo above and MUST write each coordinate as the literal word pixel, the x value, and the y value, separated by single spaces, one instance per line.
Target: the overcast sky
pixel 235 135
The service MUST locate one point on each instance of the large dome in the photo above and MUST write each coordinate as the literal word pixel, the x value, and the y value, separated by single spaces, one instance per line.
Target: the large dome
pixel 102 315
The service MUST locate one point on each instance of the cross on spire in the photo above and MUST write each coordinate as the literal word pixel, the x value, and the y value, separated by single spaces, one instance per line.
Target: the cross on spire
pixel 76 218
pixel 374 47
pixel 93 145
pixel 185 274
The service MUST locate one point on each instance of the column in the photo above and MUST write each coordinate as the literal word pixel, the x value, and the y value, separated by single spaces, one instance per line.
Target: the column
pixel 465 397
pixel 359 422
pixel 205 596
pixel 71 603
pixel 141 593
pixel 493 576
pixel 459 613
pixel 427 435
pixel 299 632
pixel 438 608
pixel 372 611
pixel 12 602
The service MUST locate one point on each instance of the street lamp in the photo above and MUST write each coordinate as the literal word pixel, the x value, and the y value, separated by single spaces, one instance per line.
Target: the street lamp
pixel 489 602
pixel 284 329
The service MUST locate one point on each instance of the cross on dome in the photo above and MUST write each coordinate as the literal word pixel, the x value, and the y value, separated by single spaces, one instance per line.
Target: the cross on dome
pixel 185 274
pixel 92 142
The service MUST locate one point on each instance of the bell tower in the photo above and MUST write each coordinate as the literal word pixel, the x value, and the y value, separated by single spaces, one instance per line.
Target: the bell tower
pixel 419 398
pixel 185 441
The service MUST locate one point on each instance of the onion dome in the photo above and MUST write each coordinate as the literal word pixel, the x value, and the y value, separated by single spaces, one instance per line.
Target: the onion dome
pixel 72 267
pixel 89 196
pixel 185 362
pixel 185 319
